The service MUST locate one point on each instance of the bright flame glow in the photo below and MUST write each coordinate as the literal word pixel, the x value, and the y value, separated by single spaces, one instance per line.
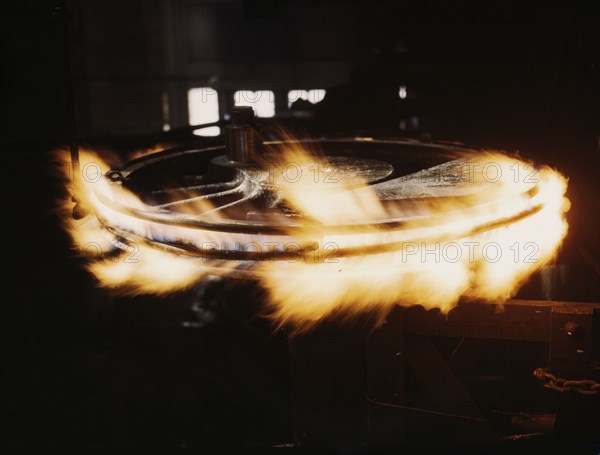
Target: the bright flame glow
pixel 432 264
pixel 436 264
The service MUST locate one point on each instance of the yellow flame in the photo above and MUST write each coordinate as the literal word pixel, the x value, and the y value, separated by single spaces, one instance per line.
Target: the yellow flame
pixel 478 246
pixel 146 270
pixel 437 264
pixel 125 268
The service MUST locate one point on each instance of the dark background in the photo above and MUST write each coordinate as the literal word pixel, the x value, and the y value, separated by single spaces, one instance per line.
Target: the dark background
pixel 81 370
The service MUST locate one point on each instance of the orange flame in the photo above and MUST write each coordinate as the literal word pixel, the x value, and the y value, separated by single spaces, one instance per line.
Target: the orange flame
pixel 507 221
pixel 435 265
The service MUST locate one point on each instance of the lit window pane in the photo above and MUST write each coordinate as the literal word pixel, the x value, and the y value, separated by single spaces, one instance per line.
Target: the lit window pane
pixel 316 96
pixel 295 95
pixel 263 101
pixel 203 107
pixel 402 92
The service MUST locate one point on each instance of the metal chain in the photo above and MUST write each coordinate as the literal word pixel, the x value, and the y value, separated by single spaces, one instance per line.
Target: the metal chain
pixel 582 386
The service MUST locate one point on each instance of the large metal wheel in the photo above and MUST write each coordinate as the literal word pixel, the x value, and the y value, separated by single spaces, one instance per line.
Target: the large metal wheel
pixel 188 191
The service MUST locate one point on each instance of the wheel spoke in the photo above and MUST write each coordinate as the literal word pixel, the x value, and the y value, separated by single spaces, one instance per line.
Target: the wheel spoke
pixel 206 197
pixel 212 187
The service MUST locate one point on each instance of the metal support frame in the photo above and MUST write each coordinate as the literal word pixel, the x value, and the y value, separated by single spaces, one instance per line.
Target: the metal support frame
pixel 403 346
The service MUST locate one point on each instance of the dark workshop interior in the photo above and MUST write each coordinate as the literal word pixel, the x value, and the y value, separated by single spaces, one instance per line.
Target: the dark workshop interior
pixel 84 369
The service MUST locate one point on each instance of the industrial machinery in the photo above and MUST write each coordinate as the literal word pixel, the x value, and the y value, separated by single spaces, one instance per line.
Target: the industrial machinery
pixel 464 369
